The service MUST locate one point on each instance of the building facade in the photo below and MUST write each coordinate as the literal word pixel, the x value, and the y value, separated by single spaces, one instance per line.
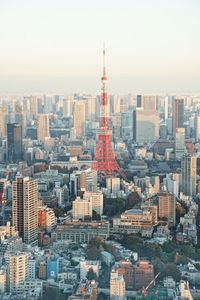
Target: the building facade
pixel 189 174
pixel 24 210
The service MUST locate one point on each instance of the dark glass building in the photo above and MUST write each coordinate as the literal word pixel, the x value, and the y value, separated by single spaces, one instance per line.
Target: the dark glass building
pixel 177 114
pixel 14 142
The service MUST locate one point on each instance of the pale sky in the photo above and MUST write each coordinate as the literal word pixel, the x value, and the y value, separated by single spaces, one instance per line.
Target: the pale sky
pixel 56 45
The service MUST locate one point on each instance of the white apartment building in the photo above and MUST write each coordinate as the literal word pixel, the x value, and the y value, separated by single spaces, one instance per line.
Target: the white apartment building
pixel 81 208
pixel 96 198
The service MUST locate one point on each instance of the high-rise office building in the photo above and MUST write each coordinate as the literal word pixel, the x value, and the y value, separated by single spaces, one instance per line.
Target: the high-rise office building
pixel 33 102
pixel 24 210
pixel 43 127
pixel 3 120
pixel 139 100
pixel 68 104
pixel 189 174
pixel 127 125
pixel 145 125
pixel 17 271
pixel 166 107
pixel 149 103
pixel 145 120
pixel 115 106
pixel 14 142
pixel 177 114
pixel 179 143
pixel 79 118
pixel 90 108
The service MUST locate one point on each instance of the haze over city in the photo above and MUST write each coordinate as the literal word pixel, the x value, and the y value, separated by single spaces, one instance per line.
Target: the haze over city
pixel 56 46
pixel 99 150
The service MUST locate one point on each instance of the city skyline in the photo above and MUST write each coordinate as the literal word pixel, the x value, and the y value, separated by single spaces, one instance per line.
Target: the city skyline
pixel 57 47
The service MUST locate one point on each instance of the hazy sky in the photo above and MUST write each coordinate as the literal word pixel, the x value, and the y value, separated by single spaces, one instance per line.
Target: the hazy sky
pixel 56 45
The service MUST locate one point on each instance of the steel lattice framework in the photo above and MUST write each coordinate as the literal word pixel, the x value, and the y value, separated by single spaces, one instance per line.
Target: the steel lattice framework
pixel 104 160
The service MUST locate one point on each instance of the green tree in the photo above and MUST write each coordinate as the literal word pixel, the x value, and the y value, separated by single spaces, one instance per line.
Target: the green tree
pixel 91 275
pixel 101 296
pixel 95 216
pixel 93 252
pixel 171 270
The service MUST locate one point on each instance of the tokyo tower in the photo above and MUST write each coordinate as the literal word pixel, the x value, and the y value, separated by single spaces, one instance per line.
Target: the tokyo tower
pixel 104 160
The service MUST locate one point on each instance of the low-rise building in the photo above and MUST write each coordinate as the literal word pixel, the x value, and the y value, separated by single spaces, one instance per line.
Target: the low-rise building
pixel 46 218
pixel 87 265
pixel 135 221
pixel 81 232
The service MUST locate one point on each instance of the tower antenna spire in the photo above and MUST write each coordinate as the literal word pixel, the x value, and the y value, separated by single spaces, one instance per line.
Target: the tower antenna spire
pixel 105 160
pixel 104 60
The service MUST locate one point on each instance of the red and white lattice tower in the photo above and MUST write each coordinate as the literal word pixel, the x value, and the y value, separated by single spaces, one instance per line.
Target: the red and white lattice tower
pixel 104 160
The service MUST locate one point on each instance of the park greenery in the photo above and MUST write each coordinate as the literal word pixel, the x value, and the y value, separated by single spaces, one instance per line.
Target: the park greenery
pixel 166 257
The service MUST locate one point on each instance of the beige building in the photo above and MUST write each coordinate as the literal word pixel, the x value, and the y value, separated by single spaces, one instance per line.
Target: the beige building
pixel 43 127
pixel 3 120
pixel 7 231
pixel 46 218
pixel 17 269
pixel 96 198
pixel 2 280
pixel 81 208
pixel 148 102
pixel 117 286
pixel 90 108
pixel 189 174
pixel 88 180
pixel 24 210
pixel 135 221
pixel 79 118
pixel 33 100
pixel 167 207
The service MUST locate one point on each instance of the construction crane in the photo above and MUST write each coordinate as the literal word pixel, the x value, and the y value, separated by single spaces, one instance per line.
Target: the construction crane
pixel 145 289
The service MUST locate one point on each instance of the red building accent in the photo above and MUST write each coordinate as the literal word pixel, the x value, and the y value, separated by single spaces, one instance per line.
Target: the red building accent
pixel 104 160
pixel 42 218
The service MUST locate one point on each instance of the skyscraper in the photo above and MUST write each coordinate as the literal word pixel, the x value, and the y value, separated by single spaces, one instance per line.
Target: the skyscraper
pixel 3 120
pixel 145 125
pixel 166 104
pixel 14 142
pixel 43 127
pixel 189 173
pixel 79 118
pixel 149 102
pixel 177 114
pixel 179 143
pixel 24 212
pixel 197 127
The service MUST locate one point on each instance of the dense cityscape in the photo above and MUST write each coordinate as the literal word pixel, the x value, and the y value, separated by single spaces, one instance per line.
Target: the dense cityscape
pixel 99 196
pixel 99 150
